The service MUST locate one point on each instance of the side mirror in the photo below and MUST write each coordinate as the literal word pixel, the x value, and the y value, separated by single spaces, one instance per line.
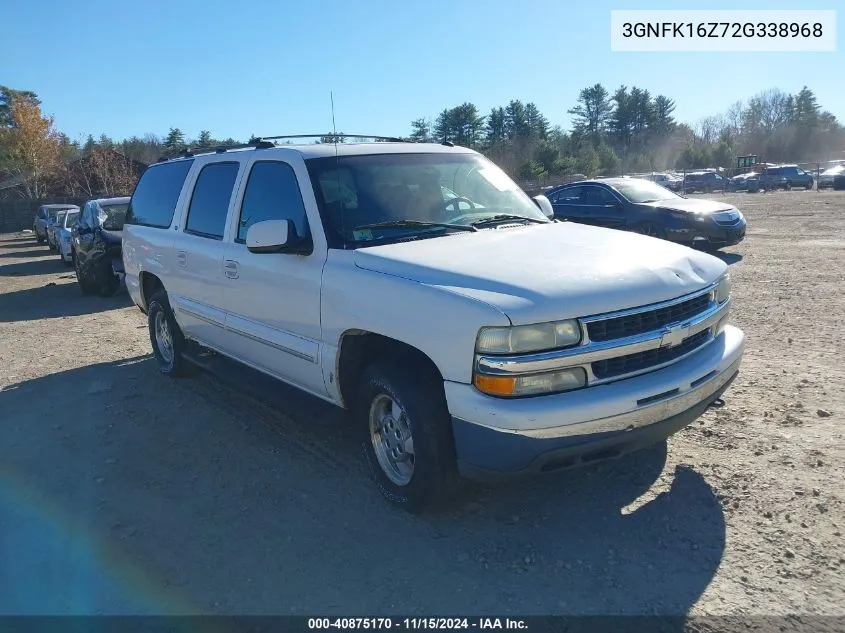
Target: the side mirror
pixel 275 236
pixel 544 205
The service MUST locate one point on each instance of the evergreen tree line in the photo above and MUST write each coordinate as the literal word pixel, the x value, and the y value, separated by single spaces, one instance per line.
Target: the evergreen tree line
pixel 628 130
pixel 631 130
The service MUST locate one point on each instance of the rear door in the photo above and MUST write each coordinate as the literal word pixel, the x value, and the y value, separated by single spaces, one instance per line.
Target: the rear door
pixel 195 288
pixel 273 299
pixel 567 205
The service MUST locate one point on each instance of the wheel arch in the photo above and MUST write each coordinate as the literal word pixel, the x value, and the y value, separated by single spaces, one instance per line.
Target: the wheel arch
pixel 149 283
pixel 359 348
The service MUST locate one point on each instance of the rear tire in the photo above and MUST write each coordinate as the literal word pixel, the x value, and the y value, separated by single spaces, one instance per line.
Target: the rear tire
pixel 38 237
pixel 166 338
pixel 402 413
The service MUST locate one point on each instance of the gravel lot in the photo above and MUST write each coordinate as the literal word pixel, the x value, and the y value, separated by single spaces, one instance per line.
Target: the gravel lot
pixel 122 491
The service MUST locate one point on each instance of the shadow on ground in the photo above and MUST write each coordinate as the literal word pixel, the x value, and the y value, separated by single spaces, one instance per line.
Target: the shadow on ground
pixel 54 300
pixel 195 496
pixel 729 258
pixel 33 267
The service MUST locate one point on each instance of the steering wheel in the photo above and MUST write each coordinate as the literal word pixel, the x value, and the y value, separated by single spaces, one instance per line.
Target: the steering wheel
pixel 456 202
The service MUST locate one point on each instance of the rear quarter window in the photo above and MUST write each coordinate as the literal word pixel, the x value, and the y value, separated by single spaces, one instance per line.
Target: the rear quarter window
pixel 154 200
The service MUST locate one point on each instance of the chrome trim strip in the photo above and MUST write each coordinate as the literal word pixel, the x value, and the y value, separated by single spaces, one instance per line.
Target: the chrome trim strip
pixel 651 307
pixel 591 352
pixel 272 344
pixel 640 417
pixel 199 316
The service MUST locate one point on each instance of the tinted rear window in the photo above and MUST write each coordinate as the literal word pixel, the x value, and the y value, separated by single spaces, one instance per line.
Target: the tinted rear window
pixel 154 200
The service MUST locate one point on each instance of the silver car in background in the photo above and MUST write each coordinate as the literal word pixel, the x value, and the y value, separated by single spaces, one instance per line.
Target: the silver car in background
pixel 827 176
pixel 42 218
pixel 63 236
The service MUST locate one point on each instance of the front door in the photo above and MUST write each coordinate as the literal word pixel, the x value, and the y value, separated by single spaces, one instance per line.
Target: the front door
pixel 273 299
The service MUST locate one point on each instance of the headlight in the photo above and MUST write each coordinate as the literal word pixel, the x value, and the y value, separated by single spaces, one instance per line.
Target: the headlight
pixel 528 338
pixel 531 385
pixel 722 292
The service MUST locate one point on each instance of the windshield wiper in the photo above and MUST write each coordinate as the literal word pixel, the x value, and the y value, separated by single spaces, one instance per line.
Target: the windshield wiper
pixel 506 216
pixel 414 224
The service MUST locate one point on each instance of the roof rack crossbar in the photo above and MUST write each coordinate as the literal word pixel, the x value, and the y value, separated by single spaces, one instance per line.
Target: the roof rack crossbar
pixel 392 139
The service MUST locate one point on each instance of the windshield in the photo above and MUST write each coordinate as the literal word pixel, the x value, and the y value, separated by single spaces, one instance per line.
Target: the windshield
pixel 112 216
pixel 640 191
pixel 70 219
pixel 456 189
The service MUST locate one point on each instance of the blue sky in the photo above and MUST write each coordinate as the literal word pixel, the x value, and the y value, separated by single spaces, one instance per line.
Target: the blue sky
pixel 267 67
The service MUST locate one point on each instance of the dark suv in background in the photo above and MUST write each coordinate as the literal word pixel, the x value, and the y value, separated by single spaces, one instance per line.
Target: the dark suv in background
pixel 785 177
pixel 705 181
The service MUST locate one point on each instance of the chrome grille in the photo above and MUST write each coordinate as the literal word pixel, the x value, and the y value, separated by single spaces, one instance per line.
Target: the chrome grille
pixel 643 360
pixel 641 322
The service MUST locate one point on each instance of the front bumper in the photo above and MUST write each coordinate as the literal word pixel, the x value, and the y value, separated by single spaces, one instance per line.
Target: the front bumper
pixel 495 437
pixel 708 231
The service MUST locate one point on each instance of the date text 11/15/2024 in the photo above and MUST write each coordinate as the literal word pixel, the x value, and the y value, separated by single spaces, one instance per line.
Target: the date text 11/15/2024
pixel 413 624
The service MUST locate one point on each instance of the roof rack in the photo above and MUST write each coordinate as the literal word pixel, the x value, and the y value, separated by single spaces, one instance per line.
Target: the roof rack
pixel 392 139
pixel 267 142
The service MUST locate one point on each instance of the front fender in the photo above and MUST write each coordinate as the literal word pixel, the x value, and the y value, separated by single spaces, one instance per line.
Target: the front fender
pixel 441 324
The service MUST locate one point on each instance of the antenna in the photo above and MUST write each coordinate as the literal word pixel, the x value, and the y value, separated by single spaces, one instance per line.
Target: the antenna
pixel 334 127
pixel 337 173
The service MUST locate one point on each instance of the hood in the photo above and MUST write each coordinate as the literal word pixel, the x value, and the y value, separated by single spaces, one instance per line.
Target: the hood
pixel 692 205
pixel 546 272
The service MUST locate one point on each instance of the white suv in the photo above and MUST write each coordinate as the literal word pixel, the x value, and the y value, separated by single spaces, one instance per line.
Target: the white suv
pixel 419 287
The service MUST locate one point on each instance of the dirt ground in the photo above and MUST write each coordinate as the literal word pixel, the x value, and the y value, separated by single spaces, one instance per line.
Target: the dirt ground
pixel 122 491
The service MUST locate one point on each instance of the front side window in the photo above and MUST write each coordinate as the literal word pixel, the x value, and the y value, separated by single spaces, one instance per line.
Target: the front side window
pixel 112 216
pixel 210 200
pixel 272 193
pixel 412 193
pixel 60 218
pixel 71 218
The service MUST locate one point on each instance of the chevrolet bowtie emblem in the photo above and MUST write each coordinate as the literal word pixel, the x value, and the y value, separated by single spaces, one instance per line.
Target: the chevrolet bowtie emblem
pixel 674 335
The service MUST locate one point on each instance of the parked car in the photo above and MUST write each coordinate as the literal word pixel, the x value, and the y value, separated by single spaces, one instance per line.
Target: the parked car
pixel 827 176
pixel 633 204
pixel 463 341
pixel 64 236
pixel 706 181
pixel 785 177
pixel 740 181
pixel 96 245
pixel 672 183
pixel 42 218
pixel 53 223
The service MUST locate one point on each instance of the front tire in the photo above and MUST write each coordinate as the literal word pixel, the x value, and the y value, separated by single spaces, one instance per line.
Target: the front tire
pixel 84 284
pixel 650 229
pixel 165 336
pixel 408 434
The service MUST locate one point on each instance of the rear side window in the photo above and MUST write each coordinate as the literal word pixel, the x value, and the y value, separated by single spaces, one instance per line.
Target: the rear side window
pixel 570 196
pixel 210 200
pixel 154 200
pixel 272 193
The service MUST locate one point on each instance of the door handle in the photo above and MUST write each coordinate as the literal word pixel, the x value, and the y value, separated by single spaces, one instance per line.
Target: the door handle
pixel 182 259
pixel 230 268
